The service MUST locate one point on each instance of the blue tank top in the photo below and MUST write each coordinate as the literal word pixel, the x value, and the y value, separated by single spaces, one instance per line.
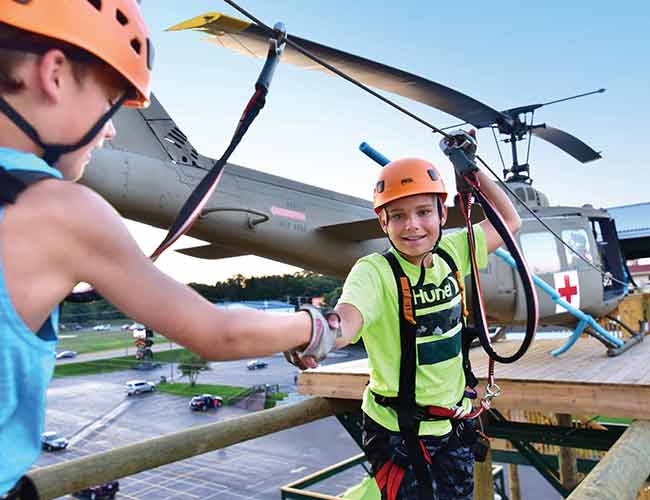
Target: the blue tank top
pixel 26 362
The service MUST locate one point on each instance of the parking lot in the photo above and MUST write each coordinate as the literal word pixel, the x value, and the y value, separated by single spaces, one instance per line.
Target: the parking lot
pixel 95 414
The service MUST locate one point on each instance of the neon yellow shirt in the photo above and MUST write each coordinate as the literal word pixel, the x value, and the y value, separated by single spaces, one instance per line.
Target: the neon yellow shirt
pixel 439 379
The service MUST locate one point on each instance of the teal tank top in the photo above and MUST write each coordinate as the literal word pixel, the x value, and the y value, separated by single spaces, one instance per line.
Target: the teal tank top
pixel 26 362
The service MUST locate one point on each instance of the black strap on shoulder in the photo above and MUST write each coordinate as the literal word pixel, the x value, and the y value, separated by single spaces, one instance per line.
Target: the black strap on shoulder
pixel 469 333
pixel 14 182
pixel 409 424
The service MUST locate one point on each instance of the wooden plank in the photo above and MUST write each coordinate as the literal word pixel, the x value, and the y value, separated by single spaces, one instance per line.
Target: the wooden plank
pixel 623 471
pixel 583 381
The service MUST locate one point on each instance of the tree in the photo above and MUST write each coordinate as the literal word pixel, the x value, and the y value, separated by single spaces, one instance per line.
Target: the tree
pixel 191 365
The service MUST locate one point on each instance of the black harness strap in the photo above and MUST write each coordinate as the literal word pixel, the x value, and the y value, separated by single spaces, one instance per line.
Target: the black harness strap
pixel 407 410
pixel 469 334
pixel 14 182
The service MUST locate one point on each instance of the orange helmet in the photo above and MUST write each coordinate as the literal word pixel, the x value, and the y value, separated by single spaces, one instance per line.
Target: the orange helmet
pixel 112 30
pixel 407 177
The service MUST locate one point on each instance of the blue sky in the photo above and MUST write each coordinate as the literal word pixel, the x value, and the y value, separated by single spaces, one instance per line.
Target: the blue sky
pixel 504 54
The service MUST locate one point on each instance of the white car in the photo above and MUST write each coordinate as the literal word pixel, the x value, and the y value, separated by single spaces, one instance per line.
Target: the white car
pixel 138 386
pixel 53 441
pixel 65 354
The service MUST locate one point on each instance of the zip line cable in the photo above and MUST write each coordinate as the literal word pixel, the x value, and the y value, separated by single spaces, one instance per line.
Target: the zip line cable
pixel 433 128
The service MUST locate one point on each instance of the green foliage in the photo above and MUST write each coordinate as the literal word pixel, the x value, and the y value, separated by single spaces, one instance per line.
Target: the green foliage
pixel 191 365
pixel 296 288
pixel 302 285
pixel 272 399
pixel 331 298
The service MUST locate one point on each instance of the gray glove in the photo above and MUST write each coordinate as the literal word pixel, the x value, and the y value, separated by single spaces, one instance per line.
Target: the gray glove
pixel 324 332
pixel 460 147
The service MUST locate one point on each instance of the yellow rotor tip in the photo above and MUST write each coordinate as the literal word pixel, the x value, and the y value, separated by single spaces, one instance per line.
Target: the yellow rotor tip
pixel 214 23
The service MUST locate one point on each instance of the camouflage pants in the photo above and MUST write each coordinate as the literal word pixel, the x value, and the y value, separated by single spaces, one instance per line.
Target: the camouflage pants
pixel 451 473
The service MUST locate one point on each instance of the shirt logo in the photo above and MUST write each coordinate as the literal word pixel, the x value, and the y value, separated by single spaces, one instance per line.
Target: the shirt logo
pixel 432 295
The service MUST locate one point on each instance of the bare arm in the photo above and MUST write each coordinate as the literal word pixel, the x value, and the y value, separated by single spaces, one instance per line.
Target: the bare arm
pixel 504 206
pixel 102 252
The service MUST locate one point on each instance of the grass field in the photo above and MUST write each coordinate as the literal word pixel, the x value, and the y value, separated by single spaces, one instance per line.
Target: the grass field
pixel 227 392
pixel 113 364
pixel 85 341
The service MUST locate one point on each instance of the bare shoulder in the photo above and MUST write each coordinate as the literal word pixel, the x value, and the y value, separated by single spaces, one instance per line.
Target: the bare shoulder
pixel 71 220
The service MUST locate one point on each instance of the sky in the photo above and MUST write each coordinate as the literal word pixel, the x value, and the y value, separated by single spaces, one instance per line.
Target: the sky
pixel 504 54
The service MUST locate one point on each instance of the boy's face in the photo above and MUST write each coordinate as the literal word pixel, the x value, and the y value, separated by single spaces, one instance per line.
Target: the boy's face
pixel 413 225
pixel 87 102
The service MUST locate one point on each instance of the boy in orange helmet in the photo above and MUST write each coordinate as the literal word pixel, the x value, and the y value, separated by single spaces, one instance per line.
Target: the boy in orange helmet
pixel 66 66
pixel 409 199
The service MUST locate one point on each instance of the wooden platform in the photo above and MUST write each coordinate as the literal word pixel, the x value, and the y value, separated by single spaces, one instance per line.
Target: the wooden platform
pixel 582 381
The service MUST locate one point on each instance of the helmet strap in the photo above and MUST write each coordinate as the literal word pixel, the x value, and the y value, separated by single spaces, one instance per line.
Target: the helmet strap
pixel 52 152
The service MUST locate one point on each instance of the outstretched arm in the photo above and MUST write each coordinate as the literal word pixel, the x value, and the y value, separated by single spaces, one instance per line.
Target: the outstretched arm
pixel 99 250
pixel 503 205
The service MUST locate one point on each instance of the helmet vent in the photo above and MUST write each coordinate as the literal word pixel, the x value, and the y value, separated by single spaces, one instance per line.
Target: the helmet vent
pixel 432 174
pixel 406 180
pixel 380 187
pixel 96 3
pixel 137 46
pixel 121 18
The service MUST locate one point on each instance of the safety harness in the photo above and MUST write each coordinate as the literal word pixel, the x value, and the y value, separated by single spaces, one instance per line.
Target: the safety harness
pixel 409 413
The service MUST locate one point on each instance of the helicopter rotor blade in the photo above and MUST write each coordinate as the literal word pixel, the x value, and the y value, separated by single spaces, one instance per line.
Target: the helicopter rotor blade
pixel 251 40
pixel 567 143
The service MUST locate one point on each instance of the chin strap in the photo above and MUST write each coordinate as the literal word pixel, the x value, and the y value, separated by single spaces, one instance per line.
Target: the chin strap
pixel 52 152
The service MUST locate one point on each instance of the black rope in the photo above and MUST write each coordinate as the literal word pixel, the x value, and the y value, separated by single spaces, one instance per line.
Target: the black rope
pixel 496 142
pixel 435 129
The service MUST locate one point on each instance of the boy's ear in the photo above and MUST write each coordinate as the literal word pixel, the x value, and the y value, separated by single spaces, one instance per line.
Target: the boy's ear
pixel 52 72
pixel 383 220
pixel 443 212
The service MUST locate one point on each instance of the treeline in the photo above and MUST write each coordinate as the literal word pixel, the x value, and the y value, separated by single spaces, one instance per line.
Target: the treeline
pixel 297 288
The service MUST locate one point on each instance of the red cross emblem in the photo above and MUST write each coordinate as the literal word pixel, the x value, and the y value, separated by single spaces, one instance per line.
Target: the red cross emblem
pixel 567 291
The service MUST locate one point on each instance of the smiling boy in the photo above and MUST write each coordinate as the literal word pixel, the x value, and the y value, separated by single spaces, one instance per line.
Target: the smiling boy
pixel 409 199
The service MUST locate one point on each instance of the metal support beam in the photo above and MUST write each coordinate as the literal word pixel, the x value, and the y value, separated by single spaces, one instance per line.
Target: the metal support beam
pixel 59 479
pixel 623 471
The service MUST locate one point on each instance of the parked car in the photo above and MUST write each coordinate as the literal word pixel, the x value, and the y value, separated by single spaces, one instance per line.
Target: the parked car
pixel 138 386
pixel 104 491
pixel 205 402
pixel 101 328
pixel 65 354
pixel 53 441
pixel 256 364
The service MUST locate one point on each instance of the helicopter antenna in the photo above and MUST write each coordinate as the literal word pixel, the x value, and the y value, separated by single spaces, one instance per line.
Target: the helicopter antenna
pixel 599 91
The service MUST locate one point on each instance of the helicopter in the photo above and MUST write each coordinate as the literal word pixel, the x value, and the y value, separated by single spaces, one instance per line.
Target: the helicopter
pixel 150 168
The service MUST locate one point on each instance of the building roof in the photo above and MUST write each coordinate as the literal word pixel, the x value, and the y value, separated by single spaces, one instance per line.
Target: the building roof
pixel 263 305
pixel 632 221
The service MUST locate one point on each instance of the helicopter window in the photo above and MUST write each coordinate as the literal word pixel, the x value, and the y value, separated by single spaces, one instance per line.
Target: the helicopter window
pixel 541 253
pixel 579 241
